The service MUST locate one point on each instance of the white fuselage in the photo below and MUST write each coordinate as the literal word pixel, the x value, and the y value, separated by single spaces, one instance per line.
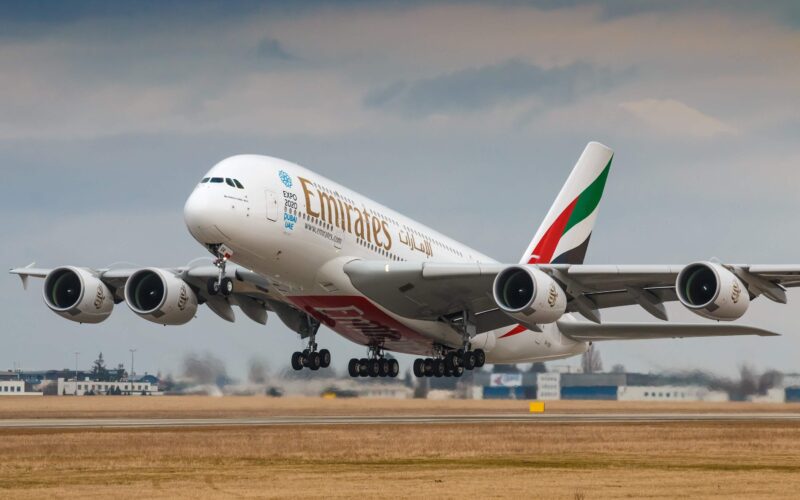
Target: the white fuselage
pixel 298 229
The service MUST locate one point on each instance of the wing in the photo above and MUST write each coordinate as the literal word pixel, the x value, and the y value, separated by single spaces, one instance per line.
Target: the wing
pixel 251 291
pixel 437 291
pixel 634 331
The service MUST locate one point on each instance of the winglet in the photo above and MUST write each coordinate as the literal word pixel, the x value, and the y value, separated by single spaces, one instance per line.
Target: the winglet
pixel 24 277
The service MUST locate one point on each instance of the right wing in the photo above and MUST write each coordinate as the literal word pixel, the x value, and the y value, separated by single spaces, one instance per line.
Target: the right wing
pixel 437 291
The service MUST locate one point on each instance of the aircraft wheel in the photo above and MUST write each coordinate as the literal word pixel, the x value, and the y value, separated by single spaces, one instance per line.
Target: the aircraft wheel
pixel 428 367
pixel 469 360
pixel 362 367
pixel 438 367
pixel 419 368
pixel 212 286
pixel 314 361
pixel 226 288
pixel 459 371
pixel 383 370
pixel 325 358
pixel 352 367
pixel 480 358
pixel 373 367
pixel 450 360
pixel 394 368
pixel 297 360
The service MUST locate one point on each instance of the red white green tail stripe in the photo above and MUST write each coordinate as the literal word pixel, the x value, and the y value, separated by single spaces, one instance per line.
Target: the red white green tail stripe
pixel 564 234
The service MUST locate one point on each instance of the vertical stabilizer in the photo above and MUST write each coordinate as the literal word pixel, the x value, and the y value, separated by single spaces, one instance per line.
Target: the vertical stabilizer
pixel 564 234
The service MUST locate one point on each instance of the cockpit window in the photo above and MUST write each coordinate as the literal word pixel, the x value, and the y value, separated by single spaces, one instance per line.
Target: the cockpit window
pixel 205 179
pixel 216 180
pixel 238 184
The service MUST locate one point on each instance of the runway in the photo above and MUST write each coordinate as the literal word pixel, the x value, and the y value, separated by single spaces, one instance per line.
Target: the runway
pixel 532 419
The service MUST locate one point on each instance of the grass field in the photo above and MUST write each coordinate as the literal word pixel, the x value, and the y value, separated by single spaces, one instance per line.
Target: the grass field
pixel 609 460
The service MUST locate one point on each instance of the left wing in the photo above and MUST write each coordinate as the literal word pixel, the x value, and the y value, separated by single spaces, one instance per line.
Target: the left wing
pixel 251 291
pixel 436 291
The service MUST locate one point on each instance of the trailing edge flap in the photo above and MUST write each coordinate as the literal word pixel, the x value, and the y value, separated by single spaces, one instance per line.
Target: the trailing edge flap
pixel 638 331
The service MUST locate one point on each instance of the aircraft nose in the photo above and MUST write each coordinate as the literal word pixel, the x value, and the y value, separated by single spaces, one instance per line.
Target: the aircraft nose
pixel 201 214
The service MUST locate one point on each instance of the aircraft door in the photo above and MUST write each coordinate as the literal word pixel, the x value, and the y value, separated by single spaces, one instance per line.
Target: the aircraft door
pixel 272 206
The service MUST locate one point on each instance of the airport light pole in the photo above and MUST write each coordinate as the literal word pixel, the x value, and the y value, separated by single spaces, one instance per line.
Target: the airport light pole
pixel 130 377
pixel 76 372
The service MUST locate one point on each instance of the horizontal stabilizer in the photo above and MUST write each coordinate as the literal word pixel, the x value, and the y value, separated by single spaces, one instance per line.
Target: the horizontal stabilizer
pixel 640 331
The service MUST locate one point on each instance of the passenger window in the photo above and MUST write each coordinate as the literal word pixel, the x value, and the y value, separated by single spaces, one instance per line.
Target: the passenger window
pixel 229 182
pixel 238 184
pixel 216 180
pixel 205 179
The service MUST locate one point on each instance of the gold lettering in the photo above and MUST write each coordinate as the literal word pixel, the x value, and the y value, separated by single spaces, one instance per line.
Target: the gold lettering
pixel 308 195
pixel 327 201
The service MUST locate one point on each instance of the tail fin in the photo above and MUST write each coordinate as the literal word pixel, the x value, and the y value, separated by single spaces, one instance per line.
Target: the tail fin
pixel 564 234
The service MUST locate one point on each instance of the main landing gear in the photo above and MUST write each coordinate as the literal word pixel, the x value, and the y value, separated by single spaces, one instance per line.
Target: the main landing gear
pixel 310 357
pixel 220 284
pixel 451 364
pixel 375 365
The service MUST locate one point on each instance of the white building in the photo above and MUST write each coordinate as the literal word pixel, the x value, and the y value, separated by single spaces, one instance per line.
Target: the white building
pixel 669 393
pixel 87 386
pixel 15 388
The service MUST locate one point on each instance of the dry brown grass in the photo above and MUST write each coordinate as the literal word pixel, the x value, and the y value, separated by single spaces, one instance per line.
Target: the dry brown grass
pixel 665 460
pixel 209 407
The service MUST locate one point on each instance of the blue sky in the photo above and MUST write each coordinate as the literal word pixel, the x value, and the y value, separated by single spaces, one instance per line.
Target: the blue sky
pixel 465 116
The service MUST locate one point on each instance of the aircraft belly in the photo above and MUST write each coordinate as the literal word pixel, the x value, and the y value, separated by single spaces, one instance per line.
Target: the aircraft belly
pixel 360 321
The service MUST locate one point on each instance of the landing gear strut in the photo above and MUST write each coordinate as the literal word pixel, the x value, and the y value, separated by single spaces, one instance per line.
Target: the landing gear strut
pixel 376 364
pixel 452 363
pixel 310 357
pixel 221 284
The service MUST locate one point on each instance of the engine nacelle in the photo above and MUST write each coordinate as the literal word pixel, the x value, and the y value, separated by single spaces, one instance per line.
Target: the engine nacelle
pixel 161 297
pixel 529 295
pixel 711 291
pixel 76 294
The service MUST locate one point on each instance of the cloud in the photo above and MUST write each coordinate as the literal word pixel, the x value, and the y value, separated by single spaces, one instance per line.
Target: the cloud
pixel 270 49
pixel 480 88
pixel 676 118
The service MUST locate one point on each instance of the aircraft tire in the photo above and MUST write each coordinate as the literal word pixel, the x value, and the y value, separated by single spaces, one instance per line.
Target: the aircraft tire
pixel 428 367
pixel 418 368
pixel 325 358
pixel 297 360
pixel 362 367
pixel 394 368
pixel 438 368
pixel 314 361
pixel 212 286
pixel 383 367
pixel 226 287
pixel 352 367
pixel 469 360
pixel 480 358
pixel 373 368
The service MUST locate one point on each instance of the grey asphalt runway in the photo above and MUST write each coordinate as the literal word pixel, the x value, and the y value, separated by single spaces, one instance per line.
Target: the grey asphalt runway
pixel 100 423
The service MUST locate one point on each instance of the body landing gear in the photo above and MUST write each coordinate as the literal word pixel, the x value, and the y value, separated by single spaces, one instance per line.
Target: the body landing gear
pixel 310 357
pixel 374 365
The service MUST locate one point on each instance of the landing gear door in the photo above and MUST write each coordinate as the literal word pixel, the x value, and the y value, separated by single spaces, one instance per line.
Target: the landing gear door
pixel 272 206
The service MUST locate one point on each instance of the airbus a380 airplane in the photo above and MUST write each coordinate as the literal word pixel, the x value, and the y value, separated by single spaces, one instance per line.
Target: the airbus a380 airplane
pixel 314 252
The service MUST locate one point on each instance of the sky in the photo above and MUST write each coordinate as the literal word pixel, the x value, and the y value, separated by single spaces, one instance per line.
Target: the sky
pixel 464 116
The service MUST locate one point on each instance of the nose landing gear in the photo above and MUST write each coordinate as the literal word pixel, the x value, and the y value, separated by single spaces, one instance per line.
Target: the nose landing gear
pixel 221 284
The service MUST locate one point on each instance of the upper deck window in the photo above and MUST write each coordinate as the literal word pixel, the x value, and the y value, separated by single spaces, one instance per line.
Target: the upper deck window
pixel 238 184
pixel 216 180
pixel 205 179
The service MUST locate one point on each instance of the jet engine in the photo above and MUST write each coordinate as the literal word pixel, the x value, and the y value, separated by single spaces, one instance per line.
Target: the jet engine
pixel 161 297
pixel 711 291
pixel 76 294
pixel 529 295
